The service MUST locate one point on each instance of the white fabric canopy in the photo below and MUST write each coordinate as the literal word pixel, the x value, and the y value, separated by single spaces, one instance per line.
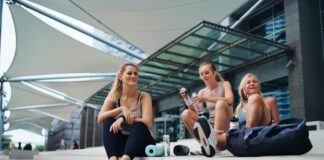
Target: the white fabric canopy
pixel 42 49
pixel 147 24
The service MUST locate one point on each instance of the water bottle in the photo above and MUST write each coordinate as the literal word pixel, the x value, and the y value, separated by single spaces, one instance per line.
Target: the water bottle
pixel 199 106
pixel 166 145
pixel 234 123
pixel 188 101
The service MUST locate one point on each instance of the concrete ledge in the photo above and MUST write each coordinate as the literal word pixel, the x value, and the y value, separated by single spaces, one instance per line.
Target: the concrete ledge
pixel 317 125
pixel 98 153
pixel 21 154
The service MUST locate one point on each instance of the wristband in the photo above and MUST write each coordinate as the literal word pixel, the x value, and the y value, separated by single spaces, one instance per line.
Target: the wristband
pixel 122 116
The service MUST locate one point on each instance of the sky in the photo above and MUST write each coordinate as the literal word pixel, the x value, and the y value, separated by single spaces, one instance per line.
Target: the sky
pixel 23 136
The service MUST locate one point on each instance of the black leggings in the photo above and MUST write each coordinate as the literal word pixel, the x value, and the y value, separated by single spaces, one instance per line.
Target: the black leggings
pixel 132 145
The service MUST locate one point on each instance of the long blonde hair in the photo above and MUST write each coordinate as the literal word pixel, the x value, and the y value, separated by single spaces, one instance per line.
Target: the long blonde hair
pixel 242 94
pixel 117 88
pixel 213 68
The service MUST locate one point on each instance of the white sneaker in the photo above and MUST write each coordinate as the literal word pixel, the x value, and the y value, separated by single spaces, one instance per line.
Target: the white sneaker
pixel 206 135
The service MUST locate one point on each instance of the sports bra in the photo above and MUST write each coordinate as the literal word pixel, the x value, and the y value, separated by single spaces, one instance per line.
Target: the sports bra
pixel 220 93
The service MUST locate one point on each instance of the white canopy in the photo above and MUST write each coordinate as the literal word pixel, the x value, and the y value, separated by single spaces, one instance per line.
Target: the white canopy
pixel 41 49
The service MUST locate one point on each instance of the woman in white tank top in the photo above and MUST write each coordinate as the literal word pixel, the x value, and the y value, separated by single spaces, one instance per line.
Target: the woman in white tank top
pixel 218 97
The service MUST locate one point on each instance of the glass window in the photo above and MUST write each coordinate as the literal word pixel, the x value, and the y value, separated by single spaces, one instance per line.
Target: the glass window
pixel 201 43
pixel 241 53
pixel 217 35
pixel 175 58
pixel 185 50
pixel 270 24
pixel 278 9
pixel 261 18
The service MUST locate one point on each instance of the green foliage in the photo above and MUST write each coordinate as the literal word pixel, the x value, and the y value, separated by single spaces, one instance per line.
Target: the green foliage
pixel 28 146
pixel 40 148
pixel 6 142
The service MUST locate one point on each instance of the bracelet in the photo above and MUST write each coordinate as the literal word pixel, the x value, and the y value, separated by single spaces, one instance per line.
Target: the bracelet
pixel 122 116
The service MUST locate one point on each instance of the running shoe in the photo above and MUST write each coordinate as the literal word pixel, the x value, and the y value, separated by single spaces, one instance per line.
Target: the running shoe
pixel 206 135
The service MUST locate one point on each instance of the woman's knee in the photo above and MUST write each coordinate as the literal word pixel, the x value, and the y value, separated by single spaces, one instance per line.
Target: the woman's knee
pixel 270 101
pixel 221 105
pixel 139 128
pixel 255 98
pixel 139 125
pixel 186 114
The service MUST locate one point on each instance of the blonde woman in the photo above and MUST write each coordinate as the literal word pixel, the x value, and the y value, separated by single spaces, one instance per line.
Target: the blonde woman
pixel 127 116
pixel 218 97
pixel 254 109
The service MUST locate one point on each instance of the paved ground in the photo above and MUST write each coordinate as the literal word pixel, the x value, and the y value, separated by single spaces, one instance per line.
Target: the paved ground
pixel 98 153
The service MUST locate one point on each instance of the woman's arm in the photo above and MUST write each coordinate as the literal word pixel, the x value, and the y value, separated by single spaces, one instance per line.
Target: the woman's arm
pixel 108 111
pixel 147 110
pixel 228 95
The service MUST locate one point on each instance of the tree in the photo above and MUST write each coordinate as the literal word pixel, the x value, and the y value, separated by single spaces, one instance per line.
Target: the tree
pixel 6 142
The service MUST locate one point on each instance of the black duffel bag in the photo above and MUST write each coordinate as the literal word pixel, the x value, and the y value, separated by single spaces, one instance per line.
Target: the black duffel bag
pixel 290 137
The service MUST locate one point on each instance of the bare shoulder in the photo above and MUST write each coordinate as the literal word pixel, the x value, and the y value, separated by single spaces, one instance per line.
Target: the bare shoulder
pixel 202 91
pixel 145 95
pixel 226 84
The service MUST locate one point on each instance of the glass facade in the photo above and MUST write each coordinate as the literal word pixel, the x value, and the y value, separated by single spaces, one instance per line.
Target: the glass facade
pixel 269 23
pixel 278 88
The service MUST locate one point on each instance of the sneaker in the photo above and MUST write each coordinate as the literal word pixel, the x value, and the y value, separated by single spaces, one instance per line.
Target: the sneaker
pixel 195 153
pixel 206 136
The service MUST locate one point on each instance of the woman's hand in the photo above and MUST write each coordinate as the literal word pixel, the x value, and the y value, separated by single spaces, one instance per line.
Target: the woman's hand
pixel 128 115
pixel 129 118
pixel 116 125
pixel 198 99
pixel 183 93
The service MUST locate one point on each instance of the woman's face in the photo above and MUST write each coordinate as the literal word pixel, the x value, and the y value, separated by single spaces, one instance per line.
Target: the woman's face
pixel 130 76
pixel 206 74
pixel 251 86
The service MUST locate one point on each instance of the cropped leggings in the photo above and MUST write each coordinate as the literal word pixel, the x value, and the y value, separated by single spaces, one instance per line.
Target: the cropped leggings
pixel 132 145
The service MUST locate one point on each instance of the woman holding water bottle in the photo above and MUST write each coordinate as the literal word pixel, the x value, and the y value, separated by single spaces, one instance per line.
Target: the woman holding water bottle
pixel 218 97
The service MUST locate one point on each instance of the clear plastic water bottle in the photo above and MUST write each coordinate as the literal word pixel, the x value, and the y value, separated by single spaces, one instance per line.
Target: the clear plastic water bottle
pixel 188 101
pixel 166 145
pixel 199 106
pixel 194 94
pixel 234 123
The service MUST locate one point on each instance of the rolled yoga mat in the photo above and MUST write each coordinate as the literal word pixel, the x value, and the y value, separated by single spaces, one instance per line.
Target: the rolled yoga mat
pixel 154 150
pixel 181 150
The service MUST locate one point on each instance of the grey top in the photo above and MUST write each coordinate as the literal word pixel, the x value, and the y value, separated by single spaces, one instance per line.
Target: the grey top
pixel 220 93
pixel 136 112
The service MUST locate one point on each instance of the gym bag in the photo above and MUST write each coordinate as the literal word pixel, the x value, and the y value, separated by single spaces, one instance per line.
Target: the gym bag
pixel 290 137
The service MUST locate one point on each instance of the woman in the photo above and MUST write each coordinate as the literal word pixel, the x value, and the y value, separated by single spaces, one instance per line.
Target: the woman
pixel 218 97
pixel 253 109
pixel 126 130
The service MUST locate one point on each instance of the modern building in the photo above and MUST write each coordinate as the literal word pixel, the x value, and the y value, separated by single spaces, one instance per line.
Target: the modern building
pixel 281 41
pixel 294 76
